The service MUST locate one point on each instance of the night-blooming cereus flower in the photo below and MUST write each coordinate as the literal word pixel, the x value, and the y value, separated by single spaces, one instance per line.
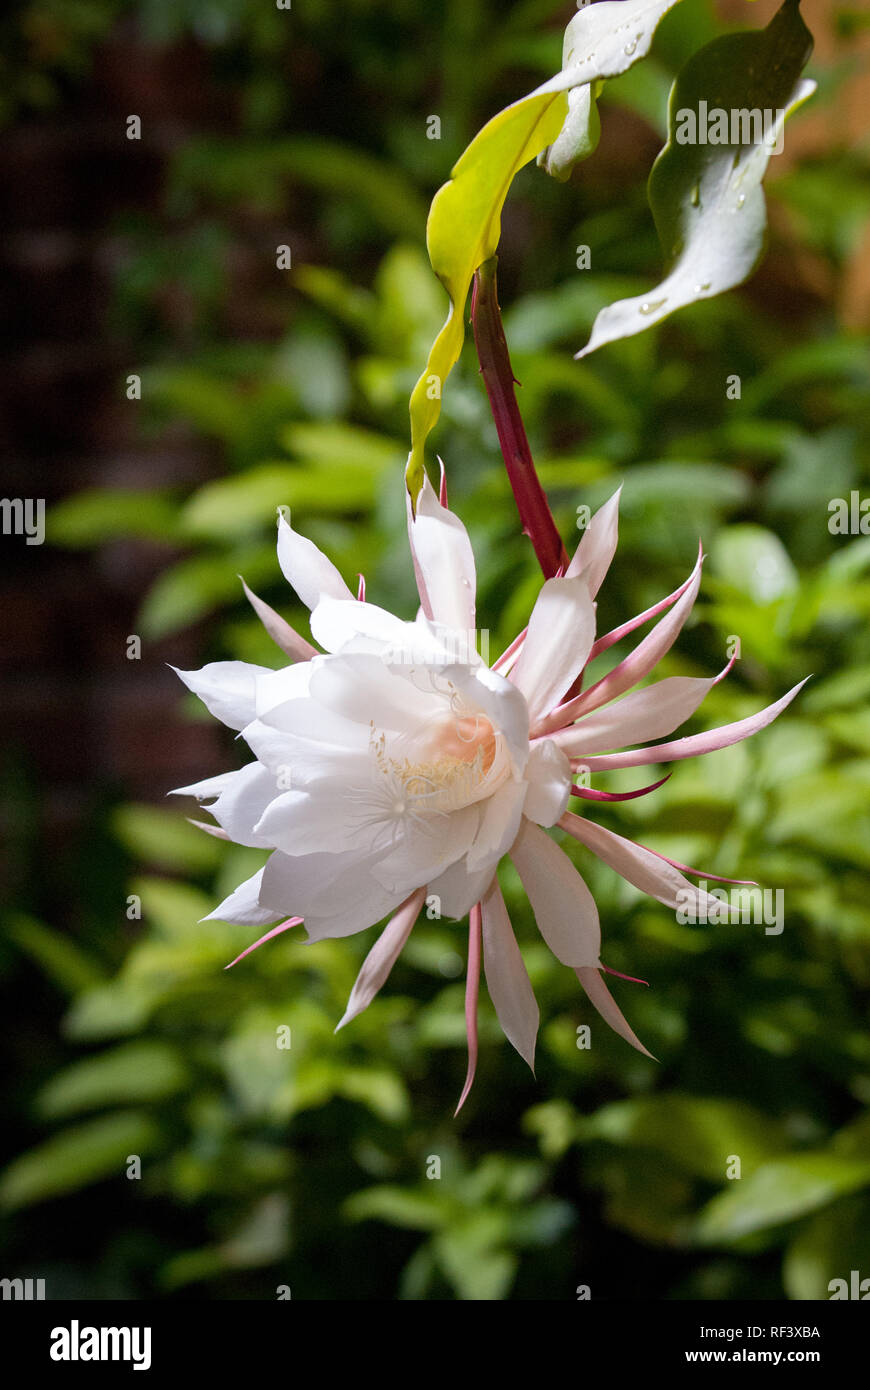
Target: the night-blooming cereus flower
pixel 395 768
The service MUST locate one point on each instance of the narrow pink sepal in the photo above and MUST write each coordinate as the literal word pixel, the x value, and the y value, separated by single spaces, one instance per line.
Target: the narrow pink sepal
pixel 639 662
pixel 215 830
pixel 632 979
pixel 472 987
pixel 442 489
pixel 591 794
pixel 700 873
pixel 361 589
pixel 510 654
pixel 609 639
pixel 295 646
pixel 607 1006
pixel 695 744
pixel 383 956
pixel 275 931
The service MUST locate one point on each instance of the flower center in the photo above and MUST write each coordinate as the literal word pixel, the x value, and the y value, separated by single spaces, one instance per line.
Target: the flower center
pixel 445 767
pixel 461 738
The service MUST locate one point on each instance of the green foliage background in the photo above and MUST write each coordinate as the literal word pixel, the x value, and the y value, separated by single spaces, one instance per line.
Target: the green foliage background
pixel 308 1167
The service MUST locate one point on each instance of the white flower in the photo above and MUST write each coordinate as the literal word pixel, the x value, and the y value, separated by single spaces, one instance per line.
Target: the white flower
pixel 395 767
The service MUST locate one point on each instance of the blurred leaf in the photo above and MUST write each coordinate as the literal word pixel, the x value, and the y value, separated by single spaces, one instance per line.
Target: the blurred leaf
pixel 156 836
pixel 779 1192
pixel 62 959
pixel 755 561
pixel 172 907
pixel 192 588
pixel 830 1246
pixel 233 508
pixel 94 517
pixel 471 1260
pixel 260 1239
pixel 134 1072
pixel 698 1134
pixel 235 170
pixel 398 1206
pixel 77 1157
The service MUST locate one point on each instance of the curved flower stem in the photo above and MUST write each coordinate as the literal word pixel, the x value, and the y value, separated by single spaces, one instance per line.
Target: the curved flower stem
pixel 472 987
pixel 499 380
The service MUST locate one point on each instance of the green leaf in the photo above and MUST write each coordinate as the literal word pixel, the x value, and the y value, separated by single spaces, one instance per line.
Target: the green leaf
pixel 140 1071
pixel 697 1133
pixel 174 908
pixel 64 962
pixel 165 838
pixel 77 1157
pixel 108 1011
pixel 755 561
pixel 233 508
pixel 100 515
pixel 260 1239
pixel 470 1258
pixel 707 199
pixel 249 171
pixel 829 1247
pixel 377 1088
pixel 779 1192
pixel 189 590
pixel 464 224
pixel 333 445
pixel 398 1207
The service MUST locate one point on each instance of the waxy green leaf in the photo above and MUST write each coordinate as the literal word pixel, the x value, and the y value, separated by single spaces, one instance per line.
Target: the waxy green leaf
pixel 464 226
pixel 706 197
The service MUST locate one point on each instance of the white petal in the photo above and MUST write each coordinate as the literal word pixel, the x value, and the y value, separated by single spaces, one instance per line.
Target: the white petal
pixel 334 623
pixel 507 978
pixel 242 803
pixel 209 786
pixel 649 713
pixel 335 893
pixel 499 825
pixel 548 774
pixel 243 906
pixel 383 956
pixel 564 908
pixel 362 914
pixel 424 853
pixel 597 545
pixel 227 689
pixel 300 822
pixel 298 728
pixel 458 890
pixel 364 689
pixel 647 871
pixel 277 687
pixel 307 569
pixel 560 636
pixel 443 562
